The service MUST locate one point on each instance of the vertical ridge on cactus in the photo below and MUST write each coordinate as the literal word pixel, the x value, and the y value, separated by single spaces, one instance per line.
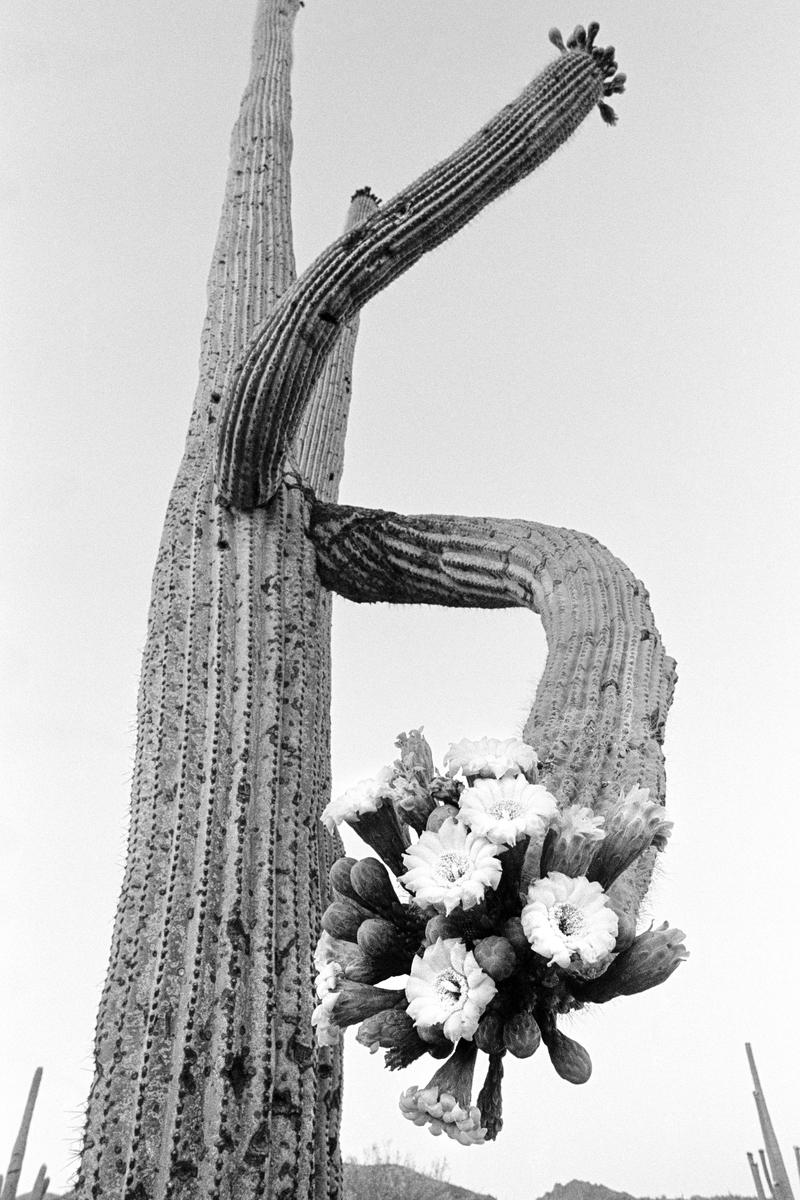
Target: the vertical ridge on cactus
pixel 208 1081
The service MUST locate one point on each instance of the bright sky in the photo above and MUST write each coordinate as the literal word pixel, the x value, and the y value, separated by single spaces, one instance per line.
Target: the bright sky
pixel 611 347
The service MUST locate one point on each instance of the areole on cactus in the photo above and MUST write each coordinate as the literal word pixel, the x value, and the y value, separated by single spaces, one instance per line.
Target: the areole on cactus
pixel 487 967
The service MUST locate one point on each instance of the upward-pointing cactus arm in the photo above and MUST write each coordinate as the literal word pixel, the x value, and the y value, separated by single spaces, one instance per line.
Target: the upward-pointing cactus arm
pixel 598 718
pixel 265 401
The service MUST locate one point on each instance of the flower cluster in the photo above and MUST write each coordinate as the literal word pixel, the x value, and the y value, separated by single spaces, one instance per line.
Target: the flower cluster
pixel 497 914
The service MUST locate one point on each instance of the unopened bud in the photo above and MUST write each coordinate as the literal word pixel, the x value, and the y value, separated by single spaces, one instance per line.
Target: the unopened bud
pixel 441 927
pixel 342 919
pixel 570 1059
pixel 380 939
pixel 372 884
pixel 633 824
pixel 516 936
pixel 495 955
pixel 651 958
pixel 521 1035
pixel 356 1001
pixel 339 876
pixel 488 1036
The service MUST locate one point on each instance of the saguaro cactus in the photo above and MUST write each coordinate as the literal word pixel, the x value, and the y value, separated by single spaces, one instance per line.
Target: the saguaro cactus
pixel 208 1081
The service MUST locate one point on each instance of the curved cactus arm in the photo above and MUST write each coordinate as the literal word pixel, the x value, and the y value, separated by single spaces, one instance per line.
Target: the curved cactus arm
pixel 317 449
pixel 598 718
pixel 271 385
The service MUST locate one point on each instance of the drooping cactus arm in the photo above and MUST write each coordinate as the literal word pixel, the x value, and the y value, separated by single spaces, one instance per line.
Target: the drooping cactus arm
pixel 598 718
pixel 272 385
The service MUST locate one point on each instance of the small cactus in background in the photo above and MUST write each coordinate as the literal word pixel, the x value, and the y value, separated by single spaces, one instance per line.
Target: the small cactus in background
pixel 487 967
pixel 209 1079
pixel 9 1183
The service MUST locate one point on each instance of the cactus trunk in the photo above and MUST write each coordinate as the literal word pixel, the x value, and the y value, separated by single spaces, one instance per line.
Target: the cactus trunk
pixel 208 1082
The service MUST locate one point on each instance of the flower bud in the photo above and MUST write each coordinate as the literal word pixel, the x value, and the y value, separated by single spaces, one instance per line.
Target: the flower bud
pixel 441 927
pixel 372 884
pixel 339 876
pixel 379 939
pixel 490 1098
pixel 569 1058
pixel 515 934
pixel 489 1034
pixel 342 918
pixel 416 757
pixel 633 824
pixel 412 803
pixel 626 921
pixel 521 1035
pixel 356 1001
pixel 651 958
pixel 360 968
pixel 496 957
pixel 393 1030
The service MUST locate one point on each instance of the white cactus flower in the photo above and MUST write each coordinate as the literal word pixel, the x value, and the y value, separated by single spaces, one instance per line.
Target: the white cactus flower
pixel 569 921
pixel 366 796
pixel 328 1033
pixel 447 987
pixel 451 867
pixel 490 757
pixel 579 821
pixel 507 809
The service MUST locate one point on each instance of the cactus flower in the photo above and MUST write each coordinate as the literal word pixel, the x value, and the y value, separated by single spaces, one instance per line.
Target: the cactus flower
pixel 366 796
pixel 569 921
pixel 490 757
pixel 327 1031
pixel 572 841
pixel 505 810
pixel 368 809
pixel 445 1105
pixel 632 825
pixel 447 988
pixel 326 986
pixel 451 867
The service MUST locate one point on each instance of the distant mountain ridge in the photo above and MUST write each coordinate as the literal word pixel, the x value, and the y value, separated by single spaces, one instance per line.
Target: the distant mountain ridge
pixel 390 1181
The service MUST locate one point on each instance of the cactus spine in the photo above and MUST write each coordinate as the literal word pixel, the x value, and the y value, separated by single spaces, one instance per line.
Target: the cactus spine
pixel 208 1082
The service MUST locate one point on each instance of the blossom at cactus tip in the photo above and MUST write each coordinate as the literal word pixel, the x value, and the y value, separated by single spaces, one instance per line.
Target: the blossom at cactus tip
pixel 507 809
pixel 569 921
pixel 366 796
pixel 451 867
pixel 447 988
pixel 490 757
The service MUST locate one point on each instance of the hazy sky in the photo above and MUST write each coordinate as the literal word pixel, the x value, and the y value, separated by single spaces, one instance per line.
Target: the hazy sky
pixel 612 347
